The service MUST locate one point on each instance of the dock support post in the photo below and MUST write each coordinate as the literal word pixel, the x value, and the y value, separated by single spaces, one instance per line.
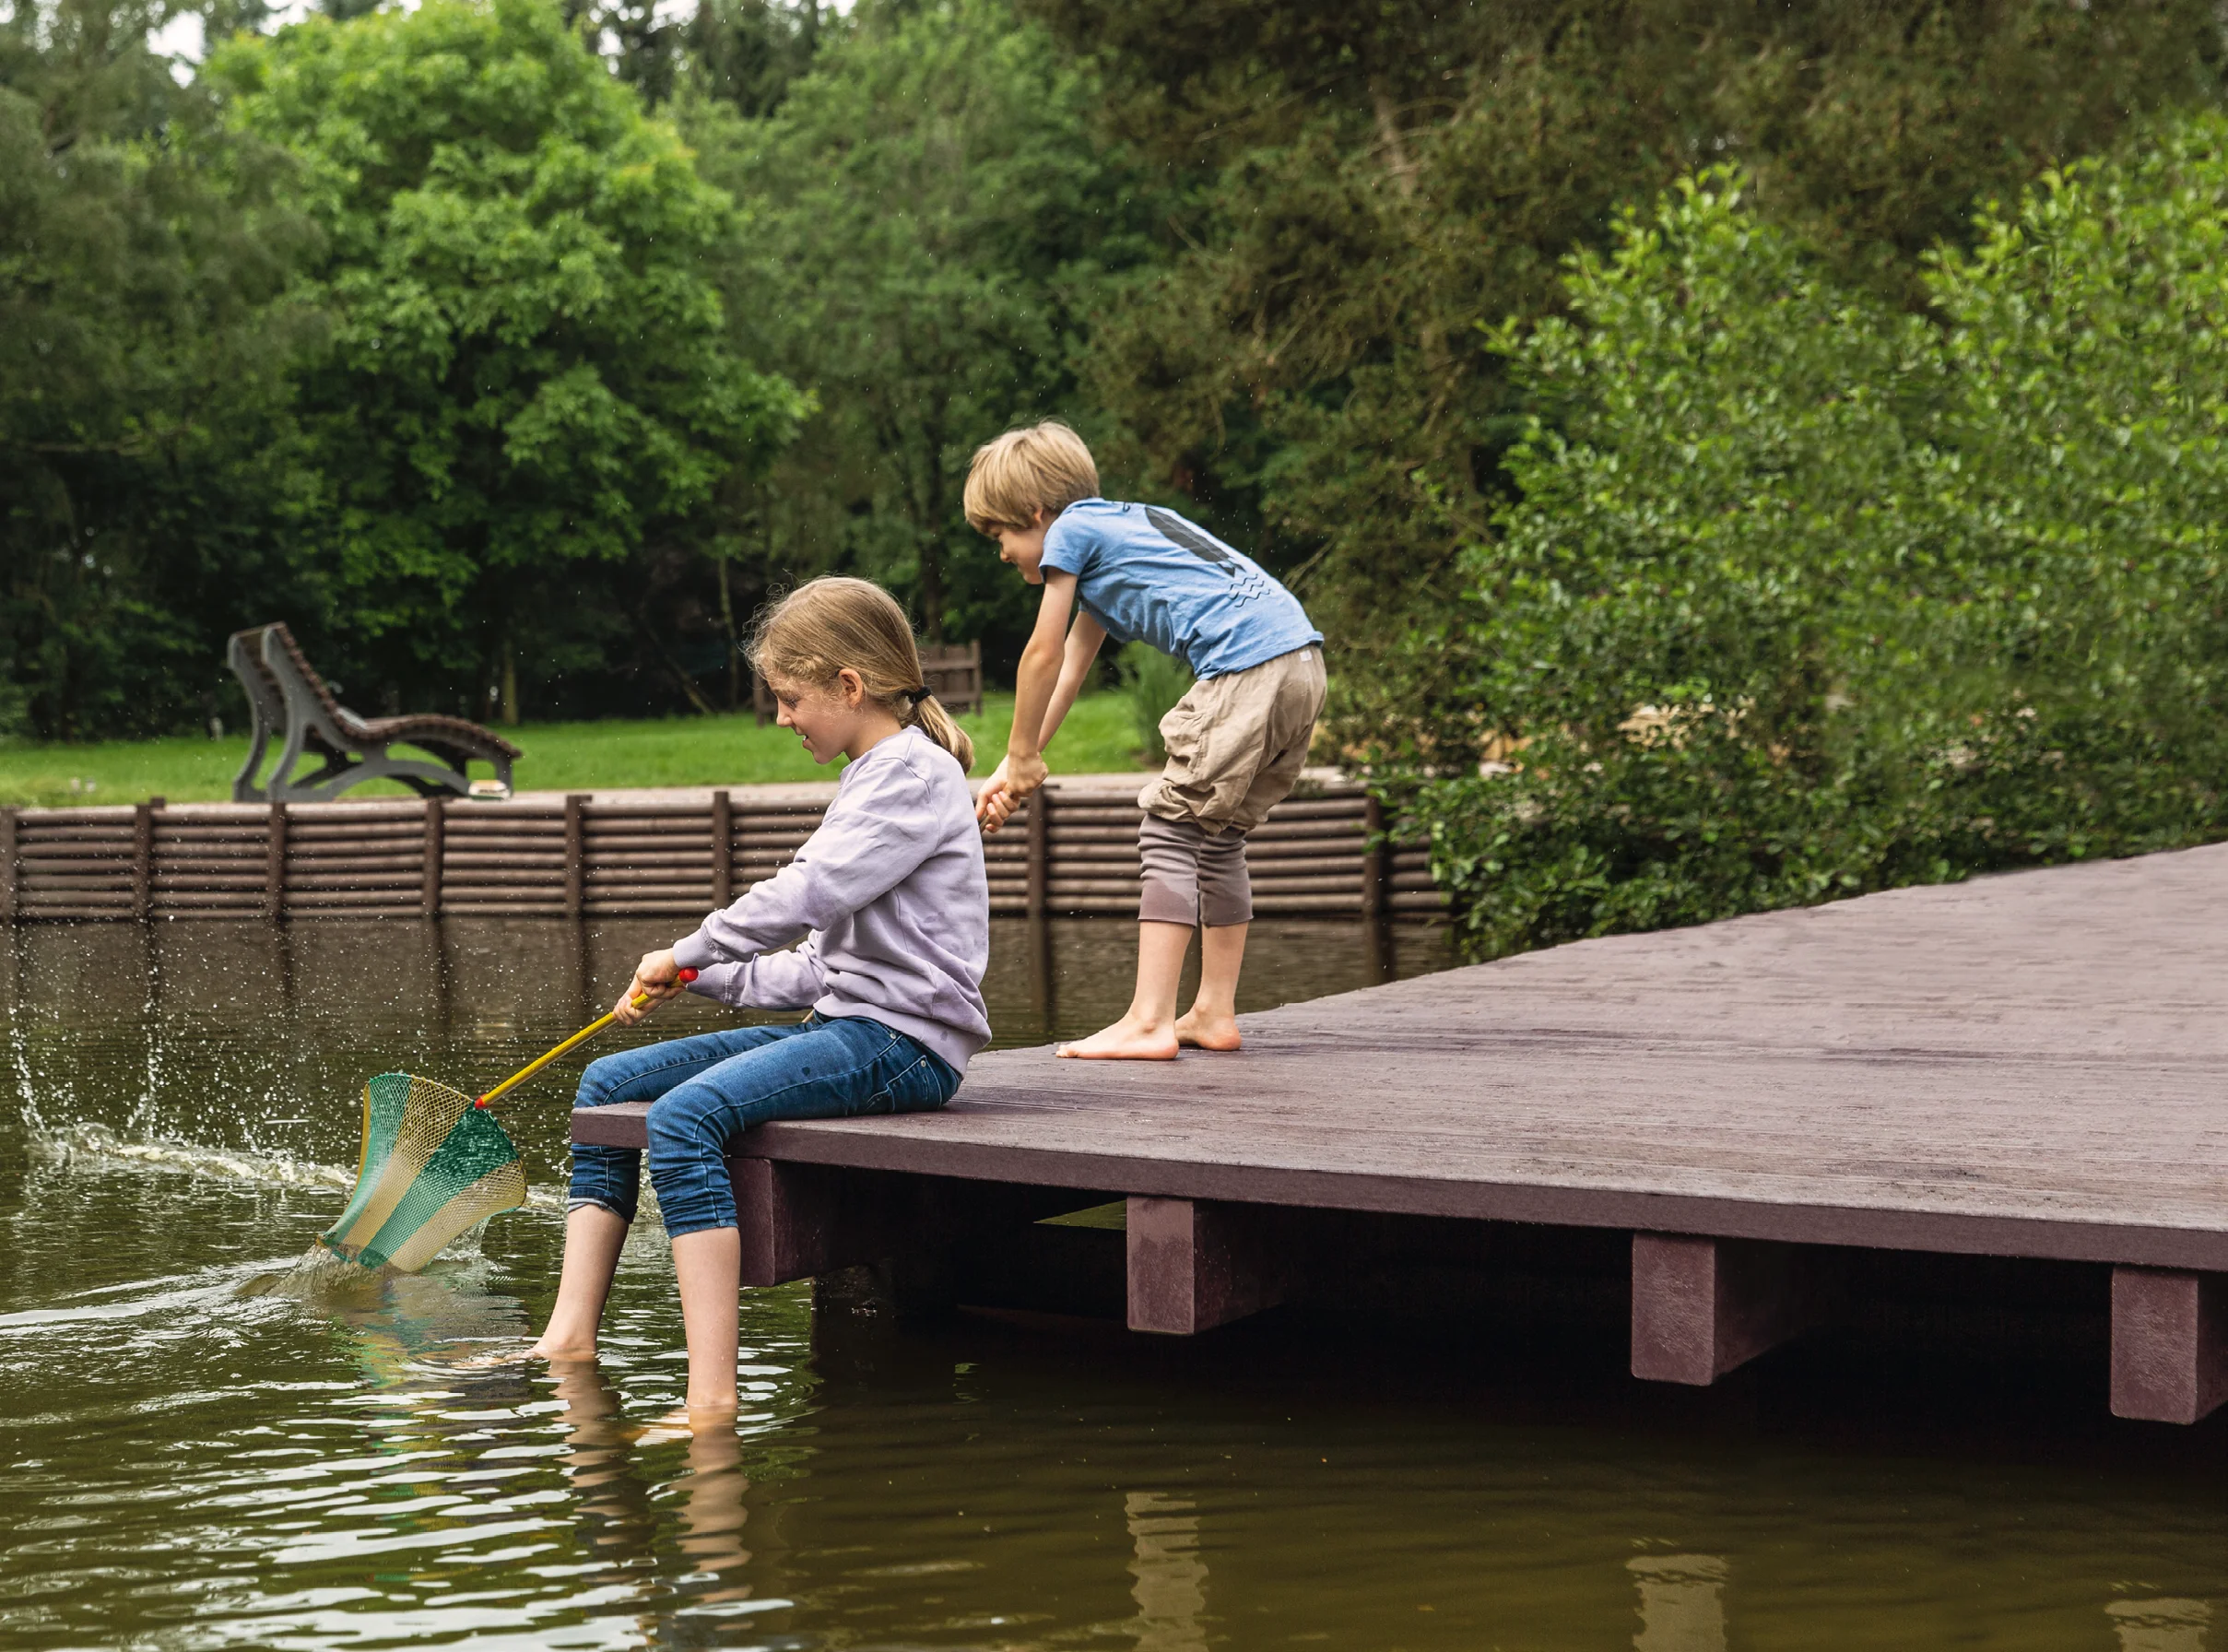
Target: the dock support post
pixel 723 848
pixel 1039 885
pixel 274 865
pixel 1376 858
pixel 2169 1344
pixel 801 1219
pixel 8 862
pixel 576 854
pixel 1703 1306
pixel 1194 1263
pixel 143 858
pixel 429 880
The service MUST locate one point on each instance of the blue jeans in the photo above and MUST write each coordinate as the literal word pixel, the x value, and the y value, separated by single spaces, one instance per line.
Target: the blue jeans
pixel 706 1090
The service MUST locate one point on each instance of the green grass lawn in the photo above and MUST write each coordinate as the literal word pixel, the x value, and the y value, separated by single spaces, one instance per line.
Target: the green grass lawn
pixel 1098 738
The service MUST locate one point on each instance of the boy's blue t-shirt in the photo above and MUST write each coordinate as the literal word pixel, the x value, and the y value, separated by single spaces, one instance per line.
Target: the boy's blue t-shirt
pixel 1143 572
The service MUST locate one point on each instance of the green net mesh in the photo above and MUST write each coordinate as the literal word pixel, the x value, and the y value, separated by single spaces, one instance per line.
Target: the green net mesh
pixel 433 1165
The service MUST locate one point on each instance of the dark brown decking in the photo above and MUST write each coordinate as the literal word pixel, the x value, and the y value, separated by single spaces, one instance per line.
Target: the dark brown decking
pixel 2031 1066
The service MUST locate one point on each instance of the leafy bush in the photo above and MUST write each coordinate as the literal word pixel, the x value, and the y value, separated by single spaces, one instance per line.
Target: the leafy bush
pixel 1805 596
pixel 1152 683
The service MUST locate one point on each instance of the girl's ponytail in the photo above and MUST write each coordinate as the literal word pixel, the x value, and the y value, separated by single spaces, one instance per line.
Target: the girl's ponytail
pixel 827 625
pixel 933 720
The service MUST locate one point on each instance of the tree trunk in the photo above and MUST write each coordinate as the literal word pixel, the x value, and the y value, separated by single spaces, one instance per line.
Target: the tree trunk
pixel 932 528
pixel 509 683
pixel 735 651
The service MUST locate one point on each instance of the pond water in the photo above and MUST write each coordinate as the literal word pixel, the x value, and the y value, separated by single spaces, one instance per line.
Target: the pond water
pixel 191 1457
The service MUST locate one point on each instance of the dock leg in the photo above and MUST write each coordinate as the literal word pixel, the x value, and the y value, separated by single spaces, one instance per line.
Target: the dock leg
pixel 802 1220
pixel 1703 1306
pixel 2169 1344
pixel 1194 1265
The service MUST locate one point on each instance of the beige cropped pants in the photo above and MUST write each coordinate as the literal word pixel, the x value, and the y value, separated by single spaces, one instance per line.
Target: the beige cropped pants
pixel 1236 748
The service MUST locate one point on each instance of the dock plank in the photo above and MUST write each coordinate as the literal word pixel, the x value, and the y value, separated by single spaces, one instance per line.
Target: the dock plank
pixel 2030 1065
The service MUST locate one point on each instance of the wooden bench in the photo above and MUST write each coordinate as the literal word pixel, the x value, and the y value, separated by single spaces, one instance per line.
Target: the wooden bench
pixel 954 675
pixel 289 700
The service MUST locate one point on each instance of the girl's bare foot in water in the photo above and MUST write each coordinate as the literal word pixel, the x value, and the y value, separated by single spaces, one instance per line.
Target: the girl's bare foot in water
pixel 489 1359
pixel 684 1420
pixel 1199 1030
pixel 1129 1039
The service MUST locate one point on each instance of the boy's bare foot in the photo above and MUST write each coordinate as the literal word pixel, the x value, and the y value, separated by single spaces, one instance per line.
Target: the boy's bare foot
pixel 1129 1039
pixel 1208 1031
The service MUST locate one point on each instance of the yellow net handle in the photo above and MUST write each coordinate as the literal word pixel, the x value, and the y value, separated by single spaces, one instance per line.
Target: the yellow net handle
pixel 641 1001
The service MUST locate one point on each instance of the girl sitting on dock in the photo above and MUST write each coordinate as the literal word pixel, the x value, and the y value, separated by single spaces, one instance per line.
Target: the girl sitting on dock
pixel 894 908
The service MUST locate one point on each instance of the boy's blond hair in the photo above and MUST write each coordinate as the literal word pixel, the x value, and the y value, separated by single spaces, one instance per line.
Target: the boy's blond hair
pixel 1042 466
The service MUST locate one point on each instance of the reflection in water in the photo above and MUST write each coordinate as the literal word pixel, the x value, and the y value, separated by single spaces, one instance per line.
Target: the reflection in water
pixel 1682 1602
pixel 1171 1588
pixel 713 1516
pixel 611 1505
pixel 2160 1626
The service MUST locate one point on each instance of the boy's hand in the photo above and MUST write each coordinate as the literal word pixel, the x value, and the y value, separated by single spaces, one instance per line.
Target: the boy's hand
pixel 1008 784
pixel 657 978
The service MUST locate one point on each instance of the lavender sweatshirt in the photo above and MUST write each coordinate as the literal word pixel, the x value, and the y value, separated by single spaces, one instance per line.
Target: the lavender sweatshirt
pixel 890 898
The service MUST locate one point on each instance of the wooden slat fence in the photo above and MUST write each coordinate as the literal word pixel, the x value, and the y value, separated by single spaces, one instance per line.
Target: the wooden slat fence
pixel 1068 853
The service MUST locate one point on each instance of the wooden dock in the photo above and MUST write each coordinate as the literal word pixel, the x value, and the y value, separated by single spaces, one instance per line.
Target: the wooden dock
pixel 1073 850
pixel 2032 1067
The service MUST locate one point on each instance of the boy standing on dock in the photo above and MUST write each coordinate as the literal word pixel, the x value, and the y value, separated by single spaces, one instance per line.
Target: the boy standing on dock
pixel 1235 742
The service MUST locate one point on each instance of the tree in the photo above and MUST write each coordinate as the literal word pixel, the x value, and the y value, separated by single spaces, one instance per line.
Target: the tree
pixel 937 223
pixel 1805 595
pixel 148 476
pixel 528 399
pixel 1364 184
pixel 745 54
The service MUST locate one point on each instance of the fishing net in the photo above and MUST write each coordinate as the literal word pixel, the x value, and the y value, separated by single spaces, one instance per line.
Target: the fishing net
pixel 433 1165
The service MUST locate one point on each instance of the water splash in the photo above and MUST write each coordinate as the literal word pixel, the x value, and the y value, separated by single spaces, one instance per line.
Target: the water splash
pixel 96 1143
pixel 27 1089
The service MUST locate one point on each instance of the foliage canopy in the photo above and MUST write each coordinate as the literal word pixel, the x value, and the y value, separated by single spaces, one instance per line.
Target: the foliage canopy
pixel 1805 595
pixel 937 223
pixel 525 368
pixel 146 469
pixel 1363 182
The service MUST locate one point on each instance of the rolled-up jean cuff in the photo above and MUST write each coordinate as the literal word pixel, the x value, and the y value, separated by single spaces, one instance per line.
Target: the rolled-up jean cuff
pixel 598 1204
pixel 710 1224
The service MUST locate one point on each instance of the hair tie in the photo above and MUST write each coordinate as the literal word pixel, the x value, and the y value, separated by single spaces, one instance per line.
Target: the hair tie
pixel 917 695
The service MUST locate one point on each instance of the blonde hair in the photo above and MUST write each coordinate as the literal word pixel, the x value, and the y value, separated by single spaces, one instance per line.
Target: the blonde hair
pixel 827 625
pixel 1041 468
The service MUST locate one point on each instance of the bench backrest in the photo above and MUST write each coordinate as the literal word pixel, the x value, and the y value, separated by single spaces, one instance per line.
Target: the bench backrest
pixel 955 676
pixel 953 673
pixel 282 657
pixel 244 655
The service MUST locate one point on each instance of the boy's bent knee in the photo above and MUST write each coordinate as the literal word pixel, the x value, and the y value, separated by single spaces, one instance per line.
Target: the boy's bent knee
pixel 1168 864
pixel 1226 887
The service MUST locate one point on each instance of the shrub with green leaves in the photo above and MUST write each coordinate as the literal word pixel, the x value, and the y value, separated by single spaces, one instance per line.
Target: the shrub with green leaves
pixel 1804 597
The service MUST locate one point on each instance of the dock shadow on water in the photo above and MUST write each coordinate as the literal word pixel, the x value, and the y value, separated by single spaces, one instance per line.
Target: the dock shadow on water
pixel 205 1444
